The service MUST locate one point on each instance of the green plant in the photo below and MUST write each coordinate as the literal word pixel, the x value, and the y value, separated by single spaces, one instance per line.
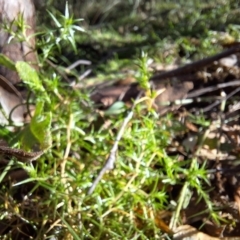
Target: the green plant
pixel 128 201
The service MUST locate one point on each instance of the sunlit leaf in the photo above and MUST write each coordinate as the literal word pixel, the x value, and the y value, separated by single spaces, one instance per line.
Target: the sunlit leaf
pixel 29 76
pixel 116 108
pixel 37 134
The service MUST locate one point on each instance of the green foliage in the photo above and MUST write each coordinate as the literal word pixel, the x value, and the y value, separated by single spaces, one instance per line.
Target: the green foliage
pixel 38 132
pixel 116 108
pixel 146 25
pixel 4 61
pixel 144 75
pixel 29 76
pixel 66 28
pixel 128 199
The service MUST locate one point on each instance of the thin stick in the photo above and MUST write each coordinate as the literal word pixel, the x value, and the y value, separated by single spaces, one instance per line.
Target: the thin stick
pixel 20 154
pixel 67 151
pixel 213 88
pixel 78 62
pixel 59 70
pixel 109 165
pixel 112 156
pixel 208 108
pixel 195 65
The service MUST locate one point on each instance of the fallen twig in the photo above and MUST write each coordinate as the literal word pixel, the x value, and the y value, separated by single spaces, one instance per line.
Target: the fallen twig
pixel 109 165
pixel 208 108
pixel 199 92
pixel 195 65
pixel 78 62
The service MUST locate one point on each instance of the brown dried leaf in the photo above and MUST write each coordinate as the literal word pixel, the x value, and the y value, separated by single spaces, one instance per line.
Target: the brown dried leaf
pixel 186 232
